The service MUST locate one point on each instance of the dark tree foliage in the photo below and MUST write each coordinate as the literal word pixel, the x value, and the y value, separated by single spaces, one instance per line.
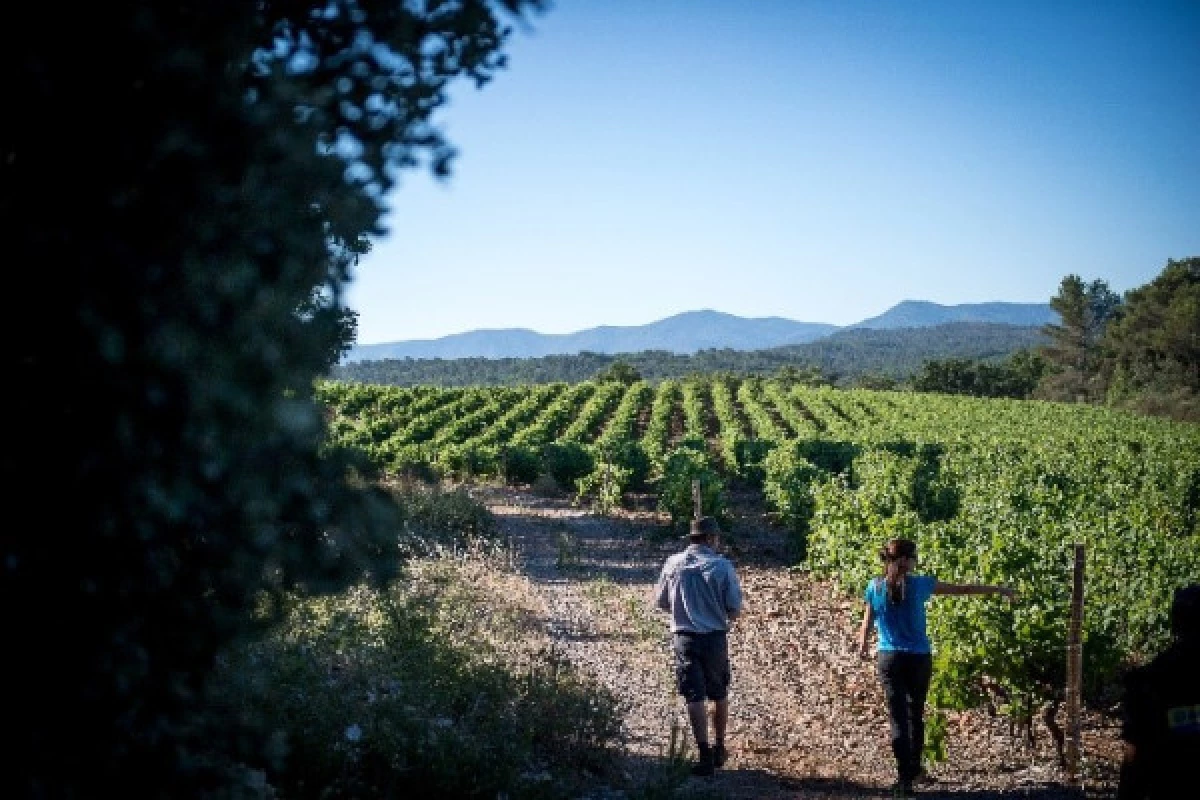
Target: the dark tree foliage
pixel 1074 352
pixel 183 188
pixel 1016 376
pixel 790 375
pixel 1152 352
pixel 619 372
pixel 1139 351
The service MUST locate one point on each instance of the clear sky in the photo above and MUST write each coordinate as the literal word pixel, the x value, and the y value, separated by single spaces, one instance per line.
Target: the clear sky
pixel 819 161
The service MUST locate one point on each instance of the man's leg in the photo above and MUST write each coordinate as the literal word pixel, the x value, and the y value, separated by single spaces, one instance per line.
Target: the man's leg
pixel 717 678
pixel 699 720
pixel 720 719
pixel 720 723
pixel 690 674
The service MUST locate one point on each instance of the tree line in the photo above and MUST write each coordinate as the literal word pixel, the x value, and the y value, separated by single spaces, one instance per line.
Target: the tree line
pixel 849 358
pixel 1140 350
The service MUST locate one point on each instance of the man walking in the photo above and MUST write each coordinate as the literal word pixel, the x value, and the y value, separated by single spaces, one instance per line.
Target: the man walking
pixel 701 591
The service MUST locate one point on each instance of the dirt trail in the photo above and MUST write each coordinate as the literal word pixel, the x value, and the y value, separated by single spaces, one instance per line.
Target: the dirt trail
pixel 807 718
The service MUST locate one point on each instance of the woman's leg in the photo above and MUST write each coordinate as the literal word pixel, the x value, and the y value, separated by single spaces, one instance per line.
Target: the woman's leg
pixel 919 672
pixel 895 689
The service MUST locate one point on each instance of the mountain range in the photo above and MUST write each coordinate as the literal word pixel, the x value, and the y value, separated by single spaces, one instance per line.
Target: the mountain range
pixel 694 331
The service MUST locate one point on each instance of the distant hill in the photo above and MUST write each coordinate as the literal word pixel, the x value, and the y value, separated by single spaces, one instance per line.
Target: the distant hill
pixel 691 332
pixel 846 356
pixel 923 314
pixel 682 333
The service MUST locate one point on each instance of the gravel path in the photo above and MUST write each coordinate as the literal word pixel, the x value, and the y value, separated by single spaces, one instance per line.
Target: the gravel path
pixel 807 717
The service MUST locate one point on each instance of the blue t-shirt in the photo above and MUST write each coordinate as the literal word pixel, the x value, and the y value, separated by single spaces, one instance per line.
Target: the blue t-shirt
pixel 901 626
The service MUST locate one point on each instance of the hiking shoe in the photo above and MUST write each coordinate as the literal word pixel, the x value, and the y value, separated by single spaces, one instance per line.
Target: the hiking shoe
pixel 704 767
pixel 720 755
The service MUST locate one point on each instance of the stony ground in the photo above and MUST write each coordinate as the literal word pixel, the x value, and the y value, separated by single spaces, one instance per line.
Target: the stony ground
pixel 807 716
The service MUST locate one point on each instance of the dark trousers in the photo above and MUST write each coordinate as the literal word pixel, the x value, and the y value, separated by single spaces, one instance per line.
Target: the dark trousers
pixel 702 666
pixel 905 678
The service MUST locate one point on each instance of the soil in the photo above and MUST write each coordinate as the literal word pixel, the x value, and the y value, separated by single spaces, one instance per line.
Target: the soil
pixel 807 717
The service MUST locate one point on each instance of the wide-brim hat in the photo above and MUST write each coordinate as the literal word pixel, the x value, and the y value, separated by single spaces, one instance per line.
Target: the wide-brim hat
pixel 705 526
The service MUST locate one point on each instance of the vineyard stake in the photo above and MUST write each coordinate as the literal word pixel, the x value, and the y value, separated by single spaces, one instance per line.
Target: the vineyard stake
pixel 1075 669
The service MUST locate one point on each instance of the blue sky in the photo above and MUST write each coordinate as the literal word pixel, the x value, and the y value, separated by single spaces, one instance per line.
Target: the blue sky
pixel 819 161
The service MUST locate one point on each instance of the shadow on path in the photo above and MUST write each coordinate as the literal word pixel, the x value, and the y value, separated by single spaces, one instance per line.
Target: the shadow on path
pixel 663 778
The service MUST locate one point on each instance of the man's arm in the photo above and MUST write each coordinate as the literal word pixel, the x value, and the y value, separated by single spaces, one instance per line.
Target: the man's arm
pixel 662 599
pixel 960 589
pixel 733 595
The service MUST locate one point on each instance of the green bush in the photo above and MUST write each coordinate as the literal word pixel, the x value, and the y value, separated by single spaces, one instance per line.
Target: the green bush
pixel 682 466
pixel 416 692
pixel 446 517
pixel 605 486
pixel 567 462
pixel 629 455
pixel 788 487
pixel 829 455
pixel 410 461
pixel 749 455
pixel 466 461
pixel 521 464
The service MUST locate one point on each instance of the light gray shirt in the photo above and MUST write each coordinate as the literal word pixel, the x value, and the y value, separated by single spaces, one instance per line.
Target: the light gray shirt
pixel 700 589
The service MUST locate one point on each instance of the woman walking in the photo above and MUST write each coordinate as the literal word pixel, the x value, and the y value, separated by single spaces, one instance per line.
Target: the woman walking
pixel 895 603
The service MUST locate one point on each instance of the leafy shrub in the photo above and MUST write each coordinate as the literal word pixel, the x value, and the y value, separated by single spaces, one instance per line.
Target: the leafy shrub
pixel 629 455
pixel 1008 512
pixel 465 461
pixel 434 688
pixel 567 462
pixel 692 442
pixel 682 466
pixel 749 455
pixel 788 487
pixel 605 486
pixel 829 455
pixel 521 464
pixel 409 461
pixel 447 517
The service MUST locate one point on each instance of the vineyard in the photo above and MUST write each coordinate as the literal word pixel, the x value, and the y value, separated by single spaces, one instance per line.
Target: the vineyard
pixel 993 491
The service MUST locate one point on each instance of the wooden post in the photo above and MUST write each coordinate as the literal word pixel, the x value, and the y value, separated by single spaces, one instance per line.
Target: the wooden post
pixel 696 499
pixel 1075 669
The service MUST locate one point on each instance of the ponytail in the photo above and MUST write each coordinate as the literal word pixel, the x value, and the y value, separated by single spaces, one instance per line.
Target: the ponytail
pixel 894 568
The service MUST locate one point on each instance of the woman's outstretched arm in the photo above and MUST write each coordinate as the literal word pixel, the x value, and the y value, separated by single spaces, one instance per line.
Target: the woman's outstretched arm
pixel 974 588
